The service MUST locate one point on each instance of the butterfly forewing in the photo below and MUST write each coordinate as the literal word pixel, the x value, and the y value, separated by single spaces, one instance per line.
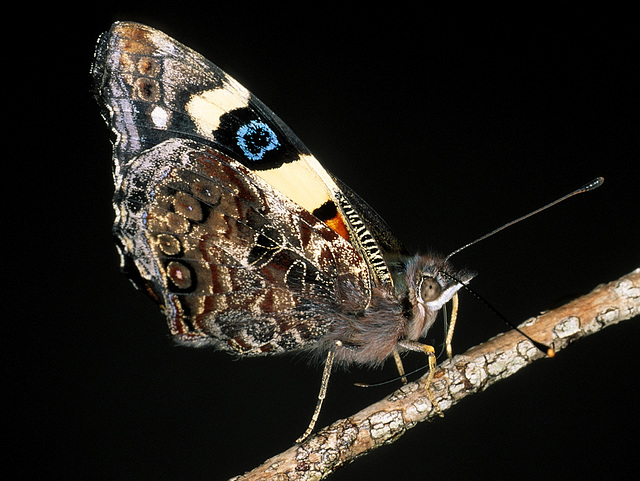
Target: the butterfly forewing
pixel 222 249
pixel 156 89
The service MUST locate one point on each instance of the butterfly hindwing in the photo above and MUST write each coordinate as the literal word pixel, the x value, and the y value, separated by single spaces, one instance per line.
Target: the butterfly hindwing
pixel 234 263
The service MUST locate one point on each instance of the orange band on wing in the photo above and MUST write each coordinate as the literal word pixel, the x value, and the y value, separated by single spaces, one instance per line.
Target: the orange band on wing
pixel 337 224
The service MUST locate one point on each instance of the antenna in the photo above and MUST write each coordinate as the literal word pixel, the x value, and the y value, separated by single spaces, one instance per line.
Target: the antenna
pixel 589 186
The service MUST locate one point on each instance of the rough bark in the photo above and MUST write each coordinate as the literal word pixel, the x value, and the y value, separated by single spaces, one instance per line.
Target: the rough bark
pixel 477 369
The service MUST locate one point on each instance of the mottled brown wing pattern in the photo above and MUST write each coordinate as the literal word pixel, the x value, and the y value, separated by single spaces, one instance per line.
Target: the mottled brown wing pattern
pixel 234 263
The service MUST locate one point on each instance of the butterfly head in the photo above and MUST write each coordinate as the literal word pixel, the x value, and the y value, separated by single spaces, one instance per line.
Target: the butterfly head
pixel 428 283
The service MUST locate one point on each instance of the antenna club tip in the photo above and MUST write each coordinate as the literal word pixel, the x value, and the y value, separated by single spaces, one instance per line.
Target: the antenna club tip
pixel 551 352
pixel 594 184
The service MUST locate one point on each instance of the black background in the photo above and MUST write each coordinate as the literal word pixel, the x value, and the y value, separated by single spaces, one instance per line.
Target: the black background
pixel 448 127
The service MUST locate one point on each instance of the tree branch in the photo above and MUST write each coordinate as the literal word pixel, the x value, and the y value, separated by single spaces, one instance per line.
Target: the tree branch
pixel 465 374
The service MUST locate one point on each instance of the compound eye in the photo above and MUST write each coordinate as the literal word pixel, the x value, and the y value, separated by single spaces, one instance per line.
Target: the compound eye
pixel 430 290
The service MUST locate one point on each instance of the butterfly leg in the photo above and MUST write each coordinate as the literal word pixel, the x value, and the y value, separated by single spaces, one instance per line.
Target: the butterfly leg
pixel 399 365
pixel 323 390
pixel 431 354
pixel 452 324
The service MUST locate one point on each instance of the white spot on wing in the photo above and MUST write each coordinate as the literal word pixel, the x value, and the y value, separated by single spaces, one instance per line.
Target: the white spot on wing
pixel 159 117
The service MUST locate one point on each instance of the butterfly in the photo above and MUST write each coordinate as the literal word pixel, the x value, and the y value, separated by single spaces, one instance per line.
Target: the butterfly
pixel 228 221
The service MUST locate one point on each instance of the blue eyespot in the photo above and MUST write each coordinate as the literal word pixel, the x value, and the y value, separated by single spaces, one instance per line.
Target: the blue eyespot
pixel 256 139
